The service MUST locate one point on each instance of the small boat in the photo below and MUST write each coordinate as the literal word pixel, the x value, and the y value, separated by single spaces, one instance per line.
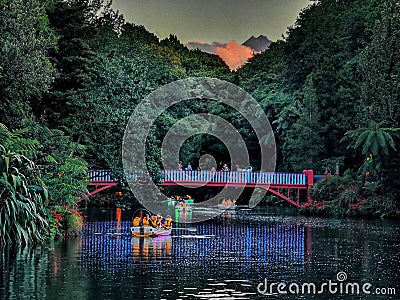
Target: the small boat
pixel 182 208
pixel 145 231
pixel 225 207
pixel 177 200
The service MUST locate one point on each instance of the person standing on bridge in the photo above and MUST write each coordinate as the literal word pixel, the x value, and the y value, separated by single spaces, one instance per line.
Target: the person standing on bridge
pixel 189 167
pixel 249 172
pixel 180 166
pixel 212 173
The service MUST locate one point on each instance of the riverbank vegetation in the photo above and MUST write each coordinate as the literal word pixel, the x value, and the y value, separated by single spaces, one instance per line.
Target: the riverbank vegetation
pixel 71 73
pixel 331 91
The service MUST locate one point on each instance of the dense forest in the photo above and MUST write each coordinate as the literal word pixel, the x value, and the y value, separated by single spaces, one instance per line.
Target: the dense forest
pixel 72 72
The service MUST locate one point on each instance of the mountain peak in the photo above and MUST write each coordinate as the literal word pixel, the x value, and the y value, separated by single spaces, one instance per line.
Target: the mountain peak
pixel 259 44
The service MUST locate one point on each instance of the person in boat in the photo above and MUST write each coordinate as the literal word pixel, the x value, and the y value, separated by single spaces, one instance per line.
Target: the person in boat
pixel 146 221
pixel 137 221
pixel 184 204
pixel 168 222
pixel 153 221
pixel 159 220
pixel 229 202
pixel 224 203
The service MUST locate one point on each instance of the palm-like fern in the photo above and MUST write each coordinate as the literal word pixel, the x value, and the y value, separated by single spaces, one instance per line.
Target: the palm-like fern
pixel 14 141
pixel 372 140
pixel 22 208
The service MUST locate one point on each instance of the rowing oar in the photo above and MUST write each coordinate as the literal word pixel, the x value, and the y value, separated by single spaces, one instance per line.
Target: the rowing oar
pixel 188 228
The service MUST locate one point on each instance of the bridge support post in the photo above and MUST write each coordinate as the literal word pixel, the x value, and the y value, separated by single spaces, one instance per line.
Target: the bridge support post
pixel 310 183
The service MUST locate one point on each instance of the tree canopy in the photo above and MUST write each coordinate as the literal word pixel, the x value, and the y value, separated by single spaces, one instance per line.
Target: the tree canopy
pixel 72 72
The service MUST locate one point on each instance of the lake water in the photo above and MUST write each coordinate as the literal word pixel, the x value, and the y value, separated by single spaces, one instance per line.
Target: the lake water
pixel 244 254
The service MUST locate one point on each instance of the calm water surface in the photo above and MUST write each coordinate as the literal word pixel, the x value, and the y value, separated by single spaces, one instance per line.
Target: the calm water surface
pixel 224 258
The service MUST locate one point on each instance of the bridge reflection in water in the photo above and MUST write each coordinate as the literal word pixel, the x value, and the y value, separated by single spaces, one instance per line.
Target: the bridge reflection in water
pixel 227 244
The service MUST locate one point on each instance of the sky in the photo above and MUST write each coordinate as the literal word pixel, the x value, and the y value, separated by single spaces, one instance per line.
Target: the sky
pixel 208 21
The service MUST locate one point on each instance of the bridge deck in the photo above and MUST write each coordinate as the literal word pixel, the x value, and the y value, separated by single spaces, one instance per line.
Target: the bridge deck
pixel 219 178
pixel 272 181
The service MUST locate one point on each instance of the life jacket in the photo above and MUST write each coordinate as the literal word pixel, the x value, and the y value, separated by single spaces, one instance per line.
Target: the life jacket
pixel 168 223
pixel 154 223
pixel 146 221
pixel 136 222
pixel 160 221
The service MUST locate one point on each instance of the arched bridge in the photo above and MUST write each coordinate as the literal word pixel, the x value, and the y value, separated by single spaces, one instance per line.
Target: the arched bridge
pixel 284 185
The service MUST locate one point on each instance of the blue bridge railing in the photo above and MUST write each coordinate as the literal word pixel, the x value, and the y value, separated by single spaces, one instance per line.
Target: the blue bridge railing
pixel 234 177
pixel 204 176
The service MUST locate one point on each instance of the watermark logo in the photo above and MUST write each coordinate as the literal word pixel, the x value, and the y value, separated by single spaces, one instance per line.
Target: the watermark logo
pixel 340 286
pixel 143 119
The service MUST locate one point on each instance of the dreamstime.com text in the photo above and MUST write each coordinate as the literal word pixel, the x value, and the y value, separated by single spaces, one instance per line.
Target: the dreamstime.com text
pixel 334 287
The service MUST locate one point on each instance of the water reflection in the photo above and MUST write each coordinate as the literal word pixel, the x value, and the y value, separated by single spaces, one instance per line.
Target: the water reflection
pixel 145 249
pixel 239 245
pixel 224 258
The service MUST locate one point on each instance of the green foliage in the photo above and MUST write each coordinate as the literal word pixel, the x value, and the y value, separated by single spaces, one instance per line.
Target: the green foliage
pixel 336 69
pixel 68 220
pixel 374 139
pixel 25 68
pixel 305 146
pixel 380 206
pixel 374 142
pixel 380 68
pixel 23 196
pixel 335 195
pixel 67 181
pixel 64 171
pixel 14 141
pixel 115 87
pixel 348 196
pixel 194 63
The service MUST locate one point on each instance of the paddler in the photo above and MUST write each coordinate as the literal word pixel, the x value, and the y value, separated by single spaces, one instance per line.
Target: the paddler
pixel 160 220
pixel 153 221
pixel 146 221
pixel 168 222
pixel 136 221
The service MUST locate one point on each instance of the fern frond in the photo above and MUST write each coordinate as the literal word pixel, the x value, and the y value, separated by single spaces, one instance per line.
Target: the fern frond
pixel 361 139
pixel 368 143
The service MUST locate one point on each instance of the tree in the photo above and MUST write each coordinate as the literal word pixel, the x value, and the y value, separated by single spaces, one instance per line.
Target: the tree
pixel 380 94
pixel 380 68
pixel 373 142
pixel 63 169
pixel 326 43
pixel 304 145
pixel 25 69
